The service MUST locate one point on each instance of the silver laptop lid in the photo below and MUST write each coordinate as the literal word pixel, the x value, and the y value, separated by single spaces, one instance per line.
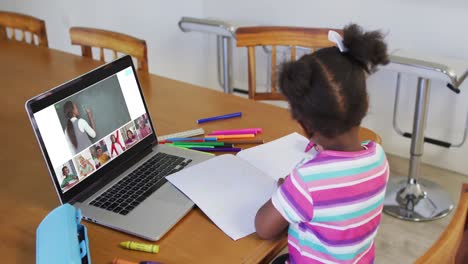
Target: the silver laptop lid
pixel 91 127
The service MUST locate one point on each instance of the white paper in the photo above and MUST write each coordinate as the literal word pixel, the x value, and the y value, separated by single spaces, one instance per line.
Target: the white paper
pixel 278 157
pixel 228 190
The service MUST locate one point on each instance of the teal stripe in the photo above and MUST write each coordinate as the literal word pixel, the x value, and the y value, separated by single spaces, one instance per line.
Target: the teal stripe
pixel 345 172
pixel 342 217
pixel 322 249
pixel 294 219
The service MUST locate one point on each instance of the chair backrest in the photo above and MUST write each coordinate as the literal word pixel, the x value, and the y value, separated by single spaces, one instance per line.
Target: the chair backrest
pixel 250 37
pixel 449 244
pixel 116 42
pixel 23 24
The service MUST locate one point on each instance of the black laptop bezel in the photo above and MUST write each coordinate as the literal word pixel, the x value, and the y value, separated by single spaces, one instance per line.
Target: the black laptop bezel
pixel 69 88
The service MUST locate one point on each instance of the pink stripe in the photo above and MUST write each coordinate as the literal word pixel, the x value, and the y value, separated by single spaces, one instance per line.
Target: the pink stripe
pixel 231 133
pixel 350 154
pixel 299 259
pixel 348 234
pixel 328 156
pixel 324 159
pixel 349 201
pixel 237 131
pixel 295 198
pixel 349 191
pixel 368 254
pixel 345 178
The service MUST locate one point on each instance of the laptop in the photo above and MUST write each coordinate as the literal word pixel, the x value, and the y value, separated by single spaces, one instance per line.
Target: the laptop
pixel 102 152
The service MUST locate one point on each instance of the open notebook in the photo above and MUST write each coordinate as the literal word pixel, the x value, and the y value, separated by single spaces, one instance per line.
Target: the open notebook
pixel 230 189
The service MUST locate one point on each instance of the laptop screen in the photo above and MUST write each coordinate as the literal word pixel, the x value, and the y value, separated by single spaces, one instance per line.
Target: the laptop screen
pixel 84 132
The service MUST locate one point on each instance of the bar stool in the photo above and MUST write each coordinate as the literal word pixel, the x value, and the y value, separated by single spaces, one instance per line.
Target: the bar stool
pixel 225 34
pixel 413 198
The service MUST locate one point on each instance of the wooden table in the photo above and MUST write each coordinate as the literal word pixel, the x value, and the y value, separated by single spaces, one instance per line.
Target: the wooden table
pixel 27 193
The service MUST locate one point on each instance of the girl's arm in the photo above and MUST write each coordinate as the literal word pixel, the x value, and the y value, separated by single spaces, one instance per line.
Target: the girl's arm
pixel 269 223
pixel 85 126
pixel 91 119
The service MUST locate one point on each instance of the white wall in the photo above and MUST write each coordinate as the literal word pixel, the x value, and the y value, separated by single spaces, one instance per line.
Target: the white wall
pixel 428 26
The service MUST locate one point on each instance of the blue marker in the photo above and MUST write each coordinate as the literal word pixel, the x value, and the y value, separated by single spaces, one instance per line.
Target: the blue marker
pixel 209 119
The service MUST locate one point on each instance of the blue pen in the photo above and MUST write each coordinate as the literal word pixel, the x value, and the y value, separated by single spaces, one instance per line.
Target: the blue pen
pixel 209 119
pixel 193 139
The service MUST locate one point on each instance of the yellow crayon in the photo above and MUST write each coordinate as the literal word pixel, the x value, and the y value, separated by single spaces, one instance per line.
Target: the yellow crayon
pixel 140 246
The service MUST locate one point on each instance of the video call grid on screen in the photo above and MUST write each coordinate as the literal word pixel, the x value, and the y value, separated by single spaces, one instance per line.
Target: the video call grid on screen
pixel 115 104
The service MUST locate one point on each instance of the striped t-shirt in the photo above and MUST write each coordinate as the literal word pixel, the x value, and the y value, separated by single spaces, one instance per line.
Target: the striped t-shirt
pixel 333 203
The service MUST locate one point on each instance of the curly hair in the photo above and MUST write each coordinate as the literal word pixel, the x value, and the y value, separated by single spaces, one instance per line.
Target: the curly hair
pixel 326 90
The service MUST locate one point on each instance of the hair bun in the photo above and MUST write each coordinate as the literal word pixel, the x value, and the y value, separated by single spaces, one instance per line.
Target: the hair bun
pixel 368 48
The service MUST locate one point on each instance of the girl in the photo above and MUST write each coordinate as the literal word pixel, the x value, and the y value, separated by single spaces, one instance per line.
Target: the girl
pixel 143 127
pixel 85 166
pixel 131 138
pixel 116 146
pixel 78 129
pixel 332 203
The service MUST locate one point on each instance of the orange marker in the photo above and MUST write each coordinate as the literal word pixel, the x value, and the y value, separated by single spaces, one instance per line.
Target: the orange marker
pixel 122 261
pixel 234 136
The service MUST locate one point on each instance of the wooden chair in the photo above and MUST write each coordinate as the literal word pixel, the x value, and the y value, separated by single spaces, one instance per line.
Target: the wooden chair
pixel 251 37
pixel 452 245
pixel 104 39
pixel 23 24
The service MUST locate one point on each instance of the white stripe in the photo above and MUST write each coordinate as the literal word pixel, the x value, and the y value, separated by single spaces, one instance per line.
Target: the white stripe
pixel 363 253
pixel 340 210
pixel 301 190
pixel 347 226
pixel 350 183
pixel 280 209
pixel 306 254
pixel 282 204
pixel 341 165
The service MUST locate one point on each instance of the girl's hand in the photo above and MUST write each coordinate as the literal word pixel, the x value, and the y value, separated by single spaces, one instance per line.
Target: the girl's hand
pixel 279 182
pixel 90 113
pixel 318 148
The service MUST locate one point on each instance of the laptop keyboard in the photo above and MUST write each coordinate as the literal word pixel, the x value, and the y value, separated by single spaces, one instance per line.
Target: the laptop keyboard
pixel 130 191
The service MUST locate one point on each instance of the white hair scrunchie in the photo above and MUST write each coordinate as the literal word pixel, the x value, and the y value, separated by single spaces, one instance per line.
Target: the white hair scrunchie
pixel 336 38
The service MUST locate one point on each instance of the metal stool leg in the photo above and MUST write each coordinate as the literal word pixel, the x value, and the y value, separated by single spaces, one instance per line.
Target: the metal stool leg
pixel 415 199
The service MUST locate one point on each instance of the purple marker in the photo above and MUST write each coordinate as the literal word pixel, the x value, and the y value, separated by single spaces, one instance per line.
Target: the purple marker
pixel 221 117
